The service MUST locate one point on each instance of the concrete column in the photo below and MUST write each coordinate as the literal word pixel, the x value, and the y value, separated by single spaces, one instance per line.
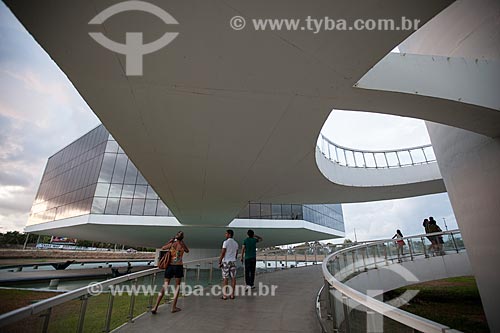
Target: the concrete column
pixel 470 166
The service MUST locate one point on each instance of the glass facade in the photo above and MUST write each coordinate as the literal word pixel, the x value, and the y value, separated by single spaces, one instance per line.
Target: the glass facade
pixel 69 181
pixel 328 215
pixel 93 175
pixel 121 188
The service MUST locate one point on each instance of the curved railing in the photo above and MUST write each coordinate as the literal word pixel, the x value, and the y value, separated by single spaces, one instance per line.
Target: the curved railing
pixel 346 307
pixel 93 308
pixel 376 159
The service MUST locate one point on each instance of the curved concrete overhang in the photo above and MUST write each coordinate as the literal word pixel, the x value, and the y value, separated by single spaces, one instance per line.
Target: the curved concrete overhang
pixel 223 117
pixel 384 177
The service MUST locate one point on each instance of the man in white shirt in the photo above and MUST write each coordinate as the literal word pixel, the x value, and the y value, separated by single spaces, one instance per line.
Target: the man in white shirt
pixel 227 262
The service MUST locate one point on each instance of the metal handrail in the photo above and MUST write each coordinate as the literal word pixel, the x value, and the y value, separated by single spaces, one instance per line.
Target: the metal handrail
pixel 331 151
pixel 27 311
pixel 403 317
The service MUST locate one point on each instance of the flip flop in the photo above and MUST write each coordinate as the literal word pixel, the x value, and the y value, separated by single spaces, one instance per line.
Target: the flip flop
pixel 176 310
pixel 224 298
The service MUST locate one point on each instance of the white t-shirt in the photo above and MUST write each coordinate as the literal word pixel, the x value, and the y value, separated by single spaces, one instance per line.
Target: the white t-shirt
pixel 231 247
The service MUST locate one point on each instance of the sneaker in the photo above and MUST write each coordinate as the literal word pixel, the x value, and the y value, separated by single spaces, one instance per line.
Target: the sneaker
pixel 253 287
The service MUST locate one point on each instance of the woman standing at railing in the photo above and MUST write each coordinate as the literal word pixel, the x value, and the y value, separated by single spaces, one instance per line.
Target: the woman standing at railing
pixel 175 269
pixel 400 243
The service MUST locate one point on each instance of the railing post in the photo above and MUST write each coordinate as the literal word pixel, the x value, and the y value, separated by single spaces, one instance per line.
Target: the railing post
pixel 265 259
pixel 83 310
pixel 385 255
pixel 132 303
pixel 305 257
pixel 410 247
pixel 153 286
pixel 315 255
pixel 353 262
pixel 386 161
pixel 425 155
pixel 390 251
pixel 326 286
pixel 295 255
pixel 109 312
pixel 454 242
pixel 210 275
pixel 275 260
pixel 345 301
pixel 411 157
pixel 46 320
pixel 424 247
pixel 376 254
pixel 286 259
pixel 197 272
pixel 365 255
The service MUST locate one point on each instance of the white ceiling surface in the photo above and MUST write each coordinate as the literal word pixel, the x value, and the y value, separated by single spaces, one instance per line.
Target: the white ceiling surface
pixel 221 117
pixel 154 231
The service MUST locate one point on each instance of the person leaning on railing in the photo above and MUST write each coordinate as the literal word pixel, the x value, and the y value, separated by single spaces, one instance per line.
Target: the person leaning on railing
pixel 175 268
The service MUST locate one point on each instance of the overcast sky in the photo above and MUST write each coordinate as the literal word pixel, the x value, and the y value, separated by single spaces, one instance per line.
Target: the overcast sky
pixel 41 112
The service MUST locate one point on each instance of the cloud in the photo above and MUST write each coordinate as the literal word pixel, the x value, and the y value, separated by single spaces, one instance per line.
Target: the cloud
pixel 380 219
pixel 40 113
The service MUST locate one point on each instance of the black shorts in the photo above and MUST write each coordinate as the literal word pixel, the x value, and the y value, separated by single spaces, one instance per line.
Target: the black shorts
pixel 176 271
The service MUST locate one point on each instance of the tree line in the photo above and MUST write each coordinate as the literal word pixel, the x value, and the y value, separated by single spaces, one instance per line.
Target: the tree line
pixel 16 239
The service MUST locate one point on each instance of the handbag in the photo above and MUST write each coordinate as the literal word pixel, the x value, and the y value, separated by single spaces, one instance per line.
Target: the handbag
pixel 164 261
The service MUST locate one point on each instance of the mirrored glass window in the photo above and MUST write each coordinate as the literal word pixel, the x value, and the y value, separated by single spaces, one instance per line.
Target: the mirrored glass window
pixel 102 190
pixel 255 210
pixel 286 210
pixel 151 194
pixel 138 207
pixel 131 174
pixel 140 191
pixel 115 190
pixel 128 191
pixel 125 206
pixel 265 211
pixel 162 209
pixel 112 206
pixel 276 211
pixel 150 207
pixel 112 147
pixel 120 167
pixel 108 164
pixel 141 180
pixel 98 205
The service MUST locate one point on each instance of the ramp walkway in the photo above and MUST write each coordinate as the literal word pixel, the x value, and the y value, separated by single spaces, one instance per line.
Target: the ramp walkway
pixel 290 310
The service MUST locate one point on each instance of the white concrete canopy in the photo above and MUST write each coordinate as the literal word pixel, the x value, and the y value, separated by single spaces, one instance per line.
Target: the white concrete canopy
pixel 221 117
pixel 155 231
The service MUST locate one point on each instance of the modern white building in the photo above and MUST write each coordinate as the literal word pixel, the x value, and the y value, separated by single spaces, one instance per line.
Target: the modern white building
pixel 223 116
pixel 92 190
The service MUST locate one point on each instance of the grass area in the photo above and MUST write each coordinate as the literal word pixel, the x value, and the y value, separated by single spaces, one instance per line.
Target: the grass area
pixel 454 302
pixel 65 317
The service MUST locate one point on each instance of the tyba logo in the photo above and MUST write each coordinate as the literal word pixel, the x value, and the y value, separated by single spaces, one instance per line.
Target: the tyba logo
pixel 133 49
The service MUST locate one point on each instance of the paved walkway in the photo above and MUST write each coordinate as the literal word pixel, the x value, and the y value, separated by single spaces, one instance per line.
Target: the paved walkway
pixel 292 309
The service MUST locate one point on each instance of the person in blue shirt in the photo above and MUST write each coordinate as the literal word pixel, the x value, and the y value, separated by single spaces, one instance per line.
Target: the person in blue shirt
pixel 249 256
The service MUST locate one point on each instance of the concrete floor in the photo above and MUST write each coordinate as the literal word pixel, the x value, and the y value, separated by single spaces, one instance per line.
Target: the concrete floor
pixel 292 309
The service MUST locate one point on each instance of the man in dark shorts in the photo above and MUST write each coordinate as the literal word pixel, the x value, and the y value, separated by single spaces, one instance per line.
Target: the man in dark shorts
pixel 249 256
pixel 175 269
